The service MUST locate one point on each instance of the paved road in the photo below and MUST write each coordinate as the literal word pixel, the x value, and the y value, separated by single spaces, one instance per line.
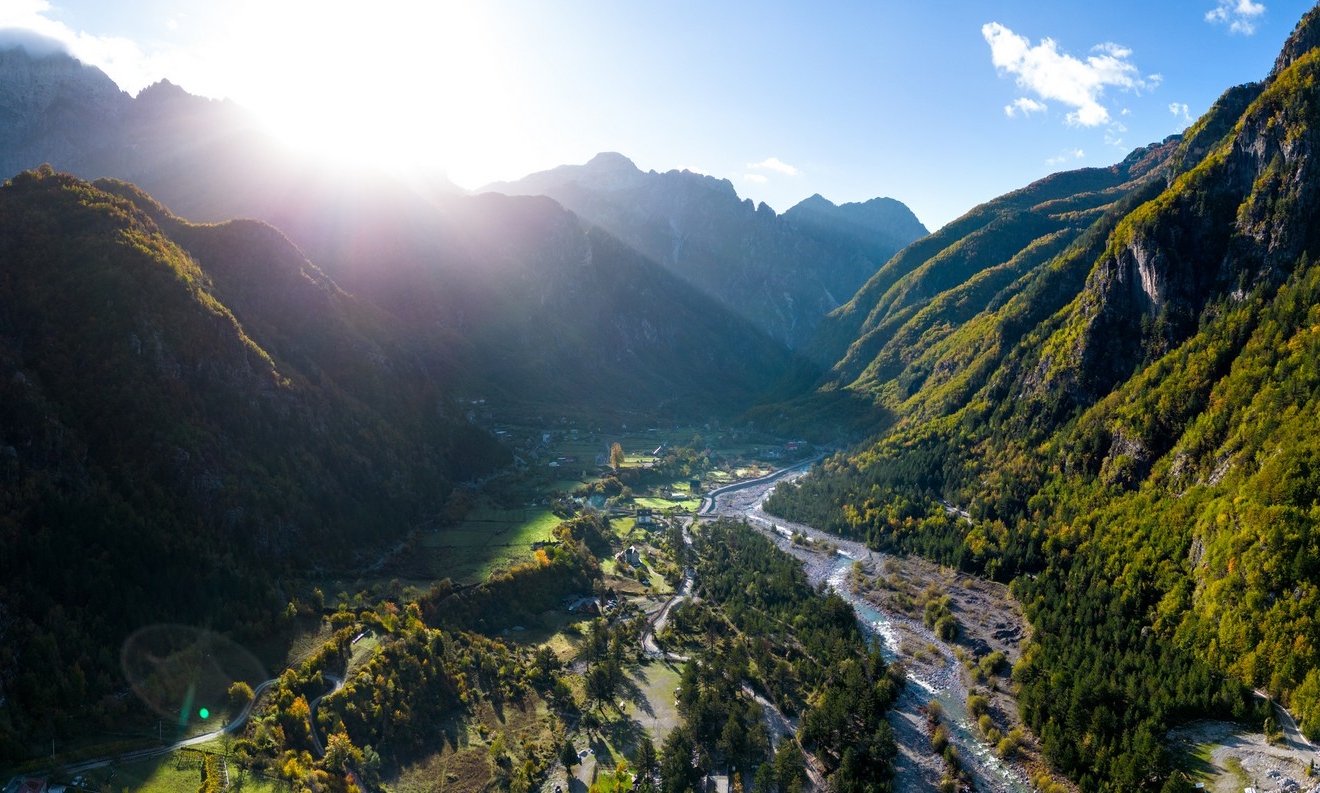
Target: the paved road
pixel 1292 734
pixel 661 618
pixel 742 500
pixel 235 724
pixel 157 751
pixel 658 621
pixel 311 710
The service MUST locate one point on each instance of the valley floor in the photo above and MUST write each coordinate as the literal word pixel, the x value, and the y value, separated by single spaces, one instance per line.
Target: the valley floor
pixel 990 621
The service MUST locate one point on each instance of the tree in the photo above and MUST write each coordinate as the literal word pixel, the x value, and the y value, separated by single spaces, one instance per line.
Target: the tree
pixel 616 456
pixel 647 761
pixel 790 767
pixel 340 751
pixel 240 694
pixel 568 756
pixel 678 773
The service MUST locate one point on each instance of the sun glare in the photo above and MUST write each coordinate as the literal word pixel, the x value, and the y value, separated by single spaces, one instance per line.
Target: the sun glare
pixel 425 82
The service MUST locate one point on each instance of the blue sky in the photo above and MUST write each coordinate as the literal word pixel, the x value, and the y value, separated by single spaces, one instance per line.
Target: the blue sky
pixel 941 104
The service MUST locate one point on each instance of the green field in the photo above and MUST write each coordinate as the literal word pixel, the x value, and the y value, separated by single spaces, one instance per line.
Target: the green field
pixel 179 771
pixel 489 538
pixel 662 504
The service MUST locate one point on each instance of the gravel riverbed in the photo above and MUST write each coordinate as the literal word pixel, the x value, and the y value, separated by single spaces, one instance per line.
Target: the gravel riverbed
pixel 990 620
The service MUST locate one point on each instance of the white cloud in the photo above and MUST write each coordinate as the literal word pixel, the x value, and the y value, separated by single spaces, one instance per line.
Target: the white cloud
pixel 1239 15
pixel 1075 154
pixel 755 177
pixel 1114 133
pixel 1058 76
pixel 1025 106
pixel 1180 111
pixel 774 164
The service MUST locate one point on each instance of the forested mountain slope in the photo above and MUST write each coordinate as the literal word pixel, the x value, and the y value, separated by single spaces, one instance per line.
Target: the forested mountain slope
pixel 188 411
pixel 545 309
pixel 1123 395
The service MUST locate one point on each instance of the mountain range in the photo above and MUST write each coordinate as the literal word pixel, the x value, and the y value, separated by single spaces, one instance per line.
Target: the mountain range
pixel 783 273
pixel 209 162
pixel 283 391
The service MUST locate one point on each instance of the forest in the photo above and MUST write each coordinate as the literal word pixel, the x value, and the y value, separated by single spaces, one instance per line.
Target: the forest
pixel 760 627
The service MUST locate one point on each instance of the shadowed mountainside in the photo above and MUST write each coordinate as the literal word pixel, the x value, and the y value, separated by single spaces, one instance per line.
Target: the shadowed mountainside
pixel 781 272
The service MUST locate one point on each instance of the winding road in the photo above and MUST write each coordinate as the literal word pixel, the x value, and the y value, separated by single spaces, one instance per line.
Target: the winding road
pixel 235 724
pixel 661 618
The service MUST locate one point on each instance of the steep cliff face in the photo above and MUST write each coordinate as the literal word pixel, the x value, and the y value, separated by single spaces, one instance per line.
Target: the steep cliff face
pixel 1239 220
pixel 53 107
pixel 782 273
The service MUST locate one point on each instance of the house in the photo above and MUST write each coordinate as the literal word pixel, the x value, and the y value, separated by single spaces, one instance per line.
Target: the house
pixel 695 486
pixel 583 605
pixel 644 517
pixel 629 556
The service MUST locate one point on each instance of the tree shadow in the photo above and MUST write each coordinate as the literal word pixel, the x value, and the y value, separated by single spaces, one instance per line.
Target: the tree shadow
pixel 601 749
pixel 633 692
pixel 623 733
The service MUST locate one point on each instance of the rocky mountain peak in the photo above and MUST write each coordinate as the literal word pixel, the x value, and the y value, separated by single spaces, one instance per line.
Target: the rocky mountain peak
pixel 610 162
pixel 51 103
pixel 1305 37
pixel 34 44
pixel 165 91
pixel 816 203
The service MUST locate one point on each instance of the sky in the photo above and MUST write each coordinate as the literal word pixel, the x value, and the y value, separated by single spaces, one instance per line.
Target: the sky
pixel 941 104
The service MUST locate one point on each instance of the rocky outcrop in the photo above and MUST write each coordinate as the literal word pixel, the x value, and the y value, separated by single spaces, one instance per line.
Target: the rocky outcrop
pixel 1239 220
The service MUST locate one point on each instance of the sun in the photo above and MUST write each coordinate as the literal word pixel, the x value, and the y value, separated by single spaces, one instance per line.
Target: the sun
pixel 424 83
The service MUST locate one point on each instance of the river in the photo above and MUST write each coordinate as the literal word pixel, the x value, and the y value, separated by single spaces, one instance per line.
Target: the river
pixel 917 768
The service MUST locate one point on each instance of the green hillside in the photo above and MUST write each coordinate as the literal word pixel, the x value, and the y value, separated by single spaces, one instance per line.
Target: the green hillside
pixel 172 439
pixel 1122 395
